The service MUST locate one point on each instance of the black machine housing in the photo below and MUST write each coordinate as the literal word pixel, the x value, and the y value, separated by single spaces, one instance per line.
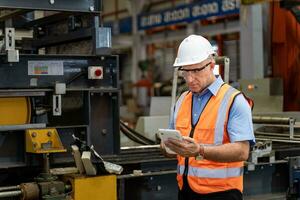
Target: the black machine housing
pixel 90 108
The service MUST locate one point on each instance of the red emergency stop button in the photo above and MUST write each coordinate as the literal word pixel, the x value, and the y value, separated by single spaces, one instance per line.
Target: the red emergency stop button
pixel 95 72
pixel 98 72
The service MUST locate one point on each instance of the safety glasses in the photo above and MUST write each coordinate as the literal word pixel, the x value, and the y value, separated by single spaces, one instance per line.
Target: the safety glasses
pixel 186 72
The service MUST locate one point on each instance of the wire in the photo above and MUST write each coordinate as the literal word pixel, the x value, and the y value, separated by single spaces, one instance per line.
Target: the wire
pixel 131 136
pixel 139 135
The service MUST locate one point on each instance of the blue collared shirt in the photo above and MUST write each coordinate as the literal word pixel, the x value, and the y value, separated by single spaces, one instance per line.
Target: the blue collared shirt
pixel 239 127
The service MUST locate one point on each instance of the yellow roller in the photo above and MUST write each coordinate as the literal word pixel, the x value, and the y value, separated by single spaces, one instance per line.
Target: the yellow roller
pixel 14 110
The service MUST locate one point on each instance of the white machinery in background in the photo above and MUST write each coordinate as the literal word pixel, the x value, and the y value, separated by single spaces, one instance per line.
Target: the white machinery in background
pixel 159 117
pixel 267 94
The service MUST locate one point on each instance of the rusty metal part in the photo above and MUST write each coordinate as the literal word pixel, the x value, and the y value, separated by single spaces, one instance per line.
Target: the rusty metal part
pixel 30 191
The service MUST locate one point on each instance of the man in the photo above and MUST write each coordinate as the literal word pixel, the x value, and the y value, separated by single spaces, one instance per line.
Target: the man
pixel 216 124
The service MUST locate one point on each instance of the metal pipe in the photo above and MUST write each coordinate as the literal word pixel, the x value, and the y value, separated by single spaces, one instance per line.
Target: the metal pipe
pixel 272 120
pixel 9 188
pixel 10 193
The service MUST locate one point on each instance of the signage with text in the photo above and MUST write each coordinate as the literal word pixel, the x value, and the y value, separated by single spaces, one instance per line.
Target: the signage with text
pixel 189 13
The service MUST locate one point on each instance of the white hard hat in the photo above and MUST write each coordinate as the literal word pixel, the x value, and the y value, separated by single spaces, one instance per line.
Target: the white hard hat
pixel 192 50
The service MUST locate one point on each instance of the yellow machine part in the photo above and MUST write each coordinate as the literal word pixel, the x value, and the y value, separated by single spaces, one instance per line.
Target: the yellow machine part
pixel 94 188
pixel 14 110
pixel 43 141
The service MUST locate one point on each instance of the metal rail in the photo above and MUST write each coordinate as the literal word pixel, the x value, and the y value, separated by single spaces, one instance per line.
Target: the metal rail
pixel 126 176
pixel 276 137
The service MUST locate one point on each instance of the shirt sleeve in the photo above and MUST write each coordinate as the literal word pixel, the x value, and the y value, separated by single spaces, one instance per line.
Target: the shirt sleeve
pixel 240 126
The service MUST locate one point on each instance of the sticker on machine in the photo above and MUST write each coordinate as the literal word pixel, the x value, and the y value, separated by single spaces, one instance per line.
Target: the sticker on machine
pixel 45 68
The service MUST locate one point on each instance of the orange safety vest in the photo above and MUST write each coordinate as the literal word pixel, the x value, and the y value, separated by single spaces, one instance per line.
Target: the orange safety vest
pixel 205 176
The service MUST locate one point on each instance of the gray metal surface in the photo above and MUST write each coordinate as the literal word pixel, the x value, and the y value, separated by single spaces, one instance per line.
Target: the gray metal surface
pixel 266 179
pixel 58 5
pixel 104 123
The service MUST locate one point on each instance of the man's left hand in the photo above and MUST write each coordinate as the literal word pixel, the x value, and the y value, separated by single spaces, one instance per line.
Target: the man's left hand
pixel 186 148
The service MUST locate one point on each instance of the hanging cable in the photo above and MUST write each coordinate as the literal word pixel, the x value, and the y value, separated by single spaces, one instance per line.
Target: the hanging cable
pixel 131 136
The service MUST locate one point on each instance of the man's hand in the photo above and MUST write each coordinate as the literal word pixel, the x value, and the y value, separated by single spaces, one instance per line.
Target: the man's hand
pixel 186 148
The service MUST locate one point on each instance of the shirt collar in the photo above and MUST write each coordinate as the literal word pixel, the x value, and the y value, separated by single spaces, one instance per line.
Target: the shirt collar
pixel 212 88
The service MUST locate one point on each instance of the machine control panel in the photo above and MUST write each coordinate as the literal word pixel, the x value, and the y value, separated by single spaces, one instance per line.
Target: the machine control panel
pixel 44 71
pixel 95 72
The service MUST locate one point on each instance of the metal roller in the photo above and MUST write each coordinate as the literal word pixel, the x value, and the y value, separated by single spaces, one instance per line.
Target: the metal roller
pixel 273 120
pixel 15 110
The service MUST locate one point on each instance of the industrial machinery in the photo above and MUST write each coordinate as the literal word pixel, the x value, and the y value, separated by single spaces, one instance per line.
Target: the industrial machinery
pixel 59 111
pixel 48 100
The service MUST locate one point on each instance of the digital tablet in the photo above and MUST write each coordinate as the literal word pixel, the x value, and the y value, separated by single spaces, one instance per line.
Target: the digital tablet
pixel 169 133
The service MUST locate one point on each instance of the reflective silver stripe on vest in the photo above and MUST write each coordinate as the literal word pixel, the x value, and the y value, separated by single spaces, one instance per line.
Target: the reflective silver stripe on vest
pixel 211 173
pixel 219 128
pixel 180 169
pixel 178 105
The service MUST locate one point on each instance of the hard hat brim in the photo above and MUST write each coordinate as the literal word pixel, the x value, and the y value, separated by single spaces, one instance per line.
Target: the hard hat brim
pixel 177 63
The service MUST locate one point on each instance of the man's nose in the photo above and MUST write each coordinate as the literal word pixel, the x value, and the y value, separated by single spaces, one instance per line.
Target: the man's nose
pixel 189 78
